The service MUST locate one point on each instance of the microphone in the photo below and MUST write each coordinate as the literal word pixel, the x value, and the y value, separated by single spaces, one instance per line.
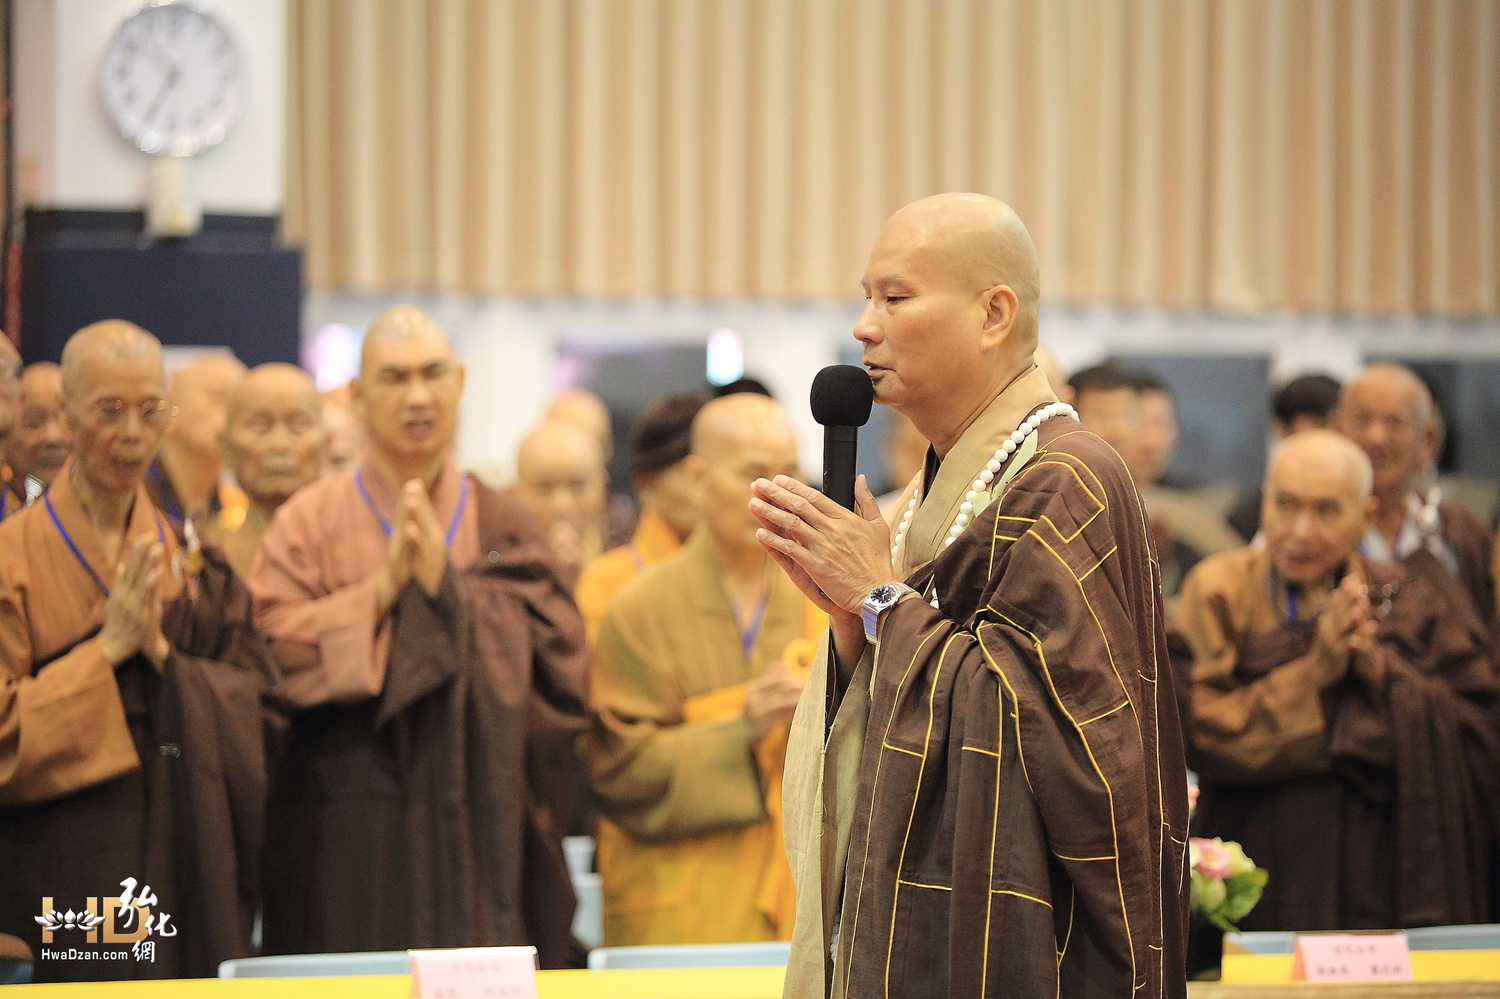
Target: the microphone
pixel 841 398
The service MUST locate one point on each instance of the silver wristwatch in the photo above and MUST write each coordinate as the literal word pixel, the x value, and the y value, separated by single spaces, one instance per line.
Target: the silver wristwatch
pixel 882 598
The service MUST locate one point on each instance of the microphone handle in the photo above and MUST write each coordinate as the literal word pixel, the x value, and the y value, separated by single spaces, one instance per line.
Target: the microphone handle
pixel 840 450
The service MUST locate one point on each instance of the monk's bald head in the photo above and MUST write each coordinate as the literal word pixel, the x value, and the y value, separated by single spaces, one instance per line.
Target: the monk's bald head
pixel 1388 411
pixel 398 326
pixel 976 242
pixel 1316 505
pixel 94 349
pixel 560 476
pixel 274 380
pixel 586 411
pixel 737 439
pixel 953 294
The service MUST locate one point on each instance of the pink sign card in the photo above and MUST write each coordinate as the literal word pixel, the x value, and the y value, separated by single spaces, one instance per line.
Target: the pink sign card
pixel 1352 957
pixel 474 973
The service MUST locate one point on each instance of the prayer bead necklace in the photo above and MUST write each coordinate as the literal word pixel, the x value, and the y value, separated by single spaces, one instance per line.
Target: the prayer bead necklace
pixel 967 510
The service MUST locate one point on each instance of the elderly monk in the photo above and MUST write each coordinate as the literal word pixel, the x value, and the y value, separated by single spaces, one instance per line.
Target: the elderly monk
pixel 586 411
pixel 669 504
pixel 184 479
pixel 985 788
pixel 699 665
pixel 38 445
pixel 561 479
pixel 1387 410
pixel 436 665
pixel 131 743
pixel 1339 712
pixel 274 444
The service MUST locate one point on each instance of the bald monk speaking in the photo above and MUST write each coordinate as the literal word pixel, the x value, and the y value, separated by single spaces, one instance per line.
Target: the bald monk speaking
pixel 985 785
pixel 184 479
pixel 693 689
pixel 38 445
pixel 436 663
pixel 274 444
pixel 1339 712
pixel 131 746
pixel 1387 410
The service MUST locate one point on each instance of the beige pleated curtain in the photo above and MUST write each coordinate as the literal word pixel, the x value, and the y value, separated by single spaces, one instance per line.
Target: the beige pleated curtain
pixel 1245 155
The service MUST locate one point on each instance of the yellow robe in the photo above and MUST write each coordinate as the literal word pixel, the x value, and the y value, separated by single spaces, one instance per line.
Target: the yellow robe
pixel 691 849
pixel 607 575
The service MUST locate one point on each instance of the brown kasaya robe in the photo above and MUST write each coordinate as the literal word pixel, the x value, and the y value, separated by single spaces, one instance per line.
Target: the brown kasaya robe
pixel 420 800
pixel 1003 778
pixel 115 773
pixel 1369 808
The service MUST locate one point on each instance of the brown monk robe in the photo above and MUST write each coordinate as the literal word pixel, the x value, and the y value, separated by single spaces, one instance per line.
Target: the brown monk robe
pixel 184 478
pixel 274 444
pixel 1339 712
pixel 669 506
pixel 692 692
pixel 437 667
pixel 131 742
pixel 38 445
pixel 989 798
pixel 1388 411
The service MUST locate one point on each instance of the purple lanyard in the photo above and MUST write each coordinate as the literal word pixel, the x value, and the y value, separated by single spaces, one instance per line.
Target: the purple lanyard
pixel 385 525
pixel 752 630
pixel 72 547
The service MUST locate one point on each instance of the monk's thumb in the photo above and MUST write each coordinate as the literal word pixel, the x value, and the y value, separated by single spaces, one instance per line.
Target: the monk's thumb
pixel 864 500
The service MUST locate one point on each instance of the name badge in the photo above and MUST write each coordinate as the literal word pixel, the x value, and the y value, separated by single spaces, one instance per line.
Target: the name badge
pixel 1352 957
pixel 474 973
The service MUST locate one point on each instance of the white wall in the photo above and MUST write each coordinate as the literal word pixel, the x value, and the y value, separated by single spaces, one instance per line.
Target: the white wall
pixel 510 346
pixel 69 154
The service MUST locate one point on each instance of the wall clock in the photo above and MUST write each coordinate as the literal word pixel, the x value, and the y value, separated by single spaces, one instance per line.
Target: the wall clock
pixel 173 79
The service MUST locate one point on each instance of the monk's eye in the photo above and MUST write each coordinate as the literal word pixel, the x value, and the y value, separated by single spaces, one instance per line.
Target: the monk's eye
pixel 893 299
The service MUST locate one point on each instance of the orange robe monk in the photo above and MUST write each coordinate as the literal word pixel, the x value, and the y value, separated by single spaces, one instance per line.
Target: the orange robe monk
pixel 607 575
pixel 110 773
pixel 691 849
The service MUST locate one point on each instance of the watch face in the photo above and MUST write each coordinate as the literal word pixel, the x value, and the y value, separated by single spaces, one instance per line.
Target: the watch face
pixel 173 79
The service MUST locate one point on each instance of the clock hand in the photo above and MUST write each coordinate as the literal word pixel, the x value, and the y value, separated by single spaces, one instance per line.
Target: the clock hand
pixel 161 95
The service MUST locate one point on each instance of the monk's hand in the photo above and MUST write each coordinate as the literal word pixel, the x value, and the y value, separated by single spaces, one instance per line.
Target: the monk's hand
pixel 428 544
pixel 1336 626
pixel 835 556
pixel 1366 657
pixel 397 570
pixel 771 700
pixel 156 648
pixel 132 613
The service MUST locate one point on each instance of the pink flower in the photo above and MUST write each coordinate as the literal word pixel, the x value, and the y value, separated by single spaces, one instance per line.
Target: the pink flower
pixel 1210 858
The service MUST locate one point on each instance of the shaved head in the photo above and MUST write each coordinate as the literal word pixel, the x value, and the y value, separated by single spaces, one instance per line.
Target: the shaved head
pixel 38 445
pixel 1388 411
pixel 560 476
pixel 737 439
pixel 1329 457
pixel 97 346
pixel 200 392
pixel 1317 505
pixel 397 326
pixel 584 410
pixel 283 380
pixel 977 242
pixel 953 295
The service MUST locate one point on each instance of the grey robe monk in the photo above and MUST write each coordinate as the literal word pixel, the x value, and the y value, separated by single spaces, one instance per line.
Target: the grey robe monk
pixel 989 798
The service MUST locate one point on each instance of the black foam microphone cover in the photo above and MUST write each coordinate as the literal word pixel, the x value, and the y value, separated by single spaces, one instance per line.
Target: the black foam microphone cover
pixel 842 395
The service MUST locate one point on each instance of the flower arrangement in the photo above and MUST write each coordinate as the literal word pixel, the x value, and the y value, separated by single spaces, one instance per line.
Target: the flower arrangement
pixel 1226 883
